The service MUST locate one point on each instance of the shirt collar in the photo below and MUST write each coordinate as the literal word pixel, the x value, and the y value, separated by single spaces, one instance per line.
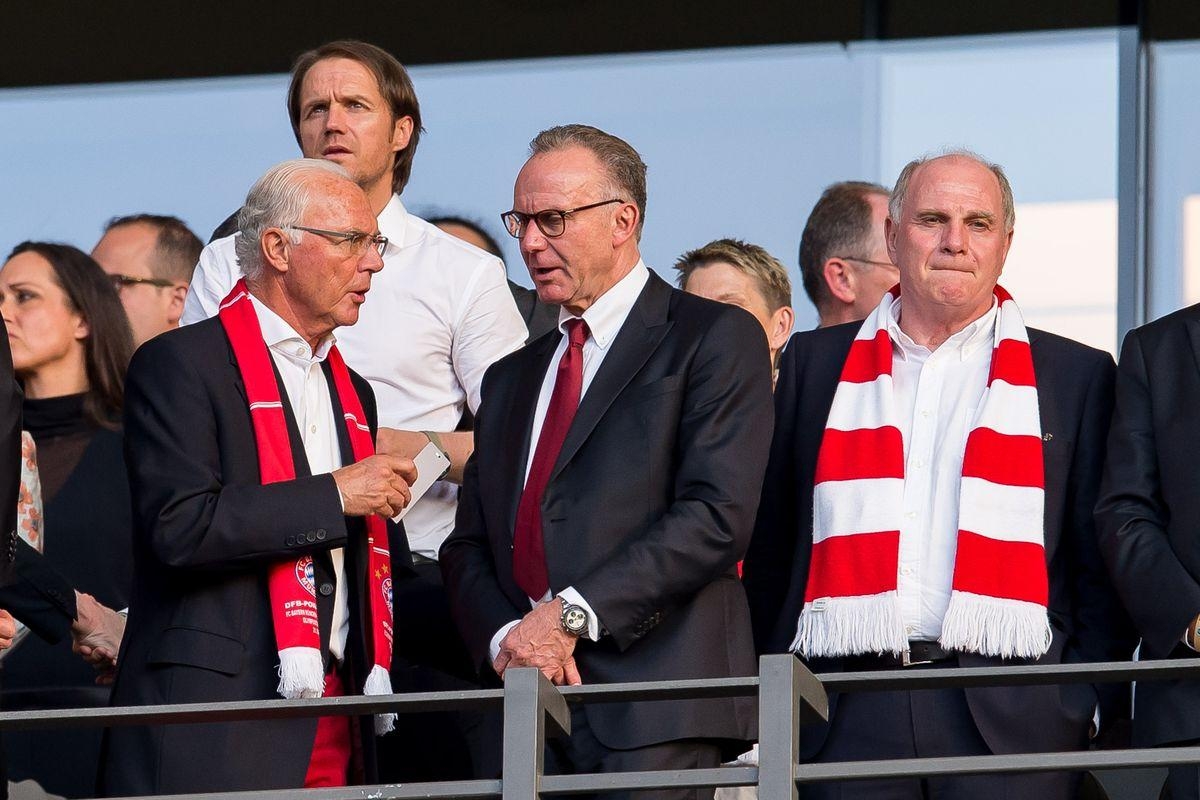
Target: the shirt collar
pixel 606 316
pixel 393 223
pixel 964 343
pixel 282 337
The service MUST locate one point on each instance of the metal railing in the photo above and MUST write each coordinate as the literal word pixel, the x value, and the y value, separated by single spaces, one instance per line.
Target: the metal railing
pixel 535 710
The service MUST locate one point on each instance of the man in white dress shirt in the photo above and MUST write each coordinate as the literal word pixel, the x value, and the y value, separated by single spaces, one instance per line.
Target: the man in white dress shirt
pixel 438 316
pixel 928 503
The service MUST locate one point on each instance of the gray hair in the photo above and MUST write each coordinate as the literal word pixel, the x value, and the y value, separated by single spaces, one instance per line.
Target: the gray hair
pixel 625 168
pixel 279 198
pixel 901 190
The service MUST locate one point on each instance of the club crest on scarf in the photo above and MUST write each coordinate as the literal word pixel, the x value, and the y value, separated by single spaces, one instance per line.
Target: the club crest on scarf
pixel 304 575
pixel 999 587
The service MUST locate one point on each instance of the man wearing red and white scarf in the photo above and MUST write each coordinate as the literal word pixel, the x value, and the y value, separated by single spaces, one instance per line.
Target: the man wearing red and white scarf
pixel 263 550
pixel 928 504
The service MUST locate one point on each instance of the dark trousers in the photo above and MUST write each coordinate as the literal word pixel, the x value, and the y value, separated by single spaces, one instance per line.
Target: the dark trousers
pixel 582 752
pixel 920 724
pixel 430 657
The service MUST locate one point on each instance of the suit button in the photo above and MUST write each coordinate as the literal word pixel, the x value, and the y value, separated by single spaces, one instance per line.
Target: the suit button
pixel 326 589
pixel 311 536
pixel 290 541
pixel 321 534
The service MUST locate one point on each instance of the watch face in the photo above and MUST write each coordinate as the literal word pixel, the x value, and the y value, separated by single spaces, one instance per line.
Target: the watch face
pixel 574 619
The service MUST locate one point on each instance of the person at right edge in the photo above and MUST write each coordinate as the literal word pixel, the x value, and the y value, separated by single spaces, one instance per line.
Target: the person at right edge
pixel 1148 521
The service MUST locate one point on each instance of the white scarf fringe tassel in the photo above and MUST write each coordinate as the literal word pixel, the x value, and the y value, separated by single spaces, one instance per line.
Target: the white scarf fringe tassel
pixel 995 627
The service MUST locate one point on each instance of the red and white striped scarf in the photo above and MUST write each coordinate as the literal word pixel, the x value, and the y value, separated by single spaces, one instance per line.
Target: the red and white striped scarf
pixel 999 589
pixel 291 586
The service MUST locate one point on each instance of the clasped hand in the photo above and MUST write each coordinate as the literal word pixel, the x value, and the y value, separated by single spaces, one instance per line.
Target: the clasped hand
pixel 538 640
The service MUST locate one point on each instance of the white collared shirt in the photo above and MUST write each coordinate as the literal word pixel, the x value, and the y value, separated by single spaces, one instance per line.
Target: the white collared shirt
pixel 308 395
pixel 937 397
pixel 604 319
pixel 437 316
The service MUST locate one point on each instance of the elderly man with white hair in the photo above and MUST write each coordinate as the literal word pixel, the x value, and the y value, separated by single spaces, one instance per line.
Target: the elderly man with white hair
pixel 263 556
pixel 928 504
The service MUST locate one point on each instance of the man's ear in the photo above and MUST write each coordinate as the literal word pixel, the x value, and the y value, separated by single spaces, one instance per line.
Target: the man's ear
pixel 275 247
pixel 178 294
pixel 840 278
pixel 625 223
pixel 782 320
pixel 402 131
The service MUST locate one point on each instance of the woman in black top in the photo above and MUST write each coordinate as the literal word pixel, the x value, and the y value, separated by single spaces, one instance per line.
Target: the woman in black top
pixel 71 344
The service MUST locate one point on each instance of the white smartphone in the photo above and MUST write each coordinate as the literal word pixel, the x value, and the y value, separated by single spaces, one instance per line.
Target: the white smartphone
pixel 432 466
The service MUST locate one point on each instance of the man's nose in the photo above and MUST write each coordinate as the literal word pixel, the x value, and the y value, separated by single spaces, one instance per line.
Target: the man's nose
pixel 532 238
pixel 335 118
pixel 372 261
pixel 954 237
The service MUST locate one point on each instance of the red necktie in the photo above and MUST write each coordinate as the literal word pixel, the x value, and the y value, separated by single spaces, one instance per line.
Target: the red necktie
pixel 529 552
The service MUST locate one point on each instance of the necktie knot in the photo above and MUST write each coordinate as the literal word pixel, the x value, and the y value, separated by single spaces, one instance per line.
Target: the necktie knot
pixel 577 332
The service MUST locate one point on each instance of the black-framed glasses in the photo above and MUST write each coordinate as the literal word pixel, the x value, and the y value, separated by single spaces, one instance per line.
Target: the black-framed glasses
pixel 868 261
pixel 551 222
pixel 119 281
pixel 356 239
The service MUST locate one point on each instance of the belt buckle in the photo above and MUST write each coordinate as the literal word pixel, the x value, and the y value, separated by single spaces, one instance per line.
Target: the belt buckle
pixel 906 660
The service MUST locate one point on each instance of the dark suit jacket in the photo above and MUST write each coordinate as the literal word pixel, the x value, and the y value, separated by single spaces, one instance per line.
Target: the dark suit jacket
pixel 1075 400
pixel 10 460
pixel 646 514
pixel 205 533
pixel 1148 517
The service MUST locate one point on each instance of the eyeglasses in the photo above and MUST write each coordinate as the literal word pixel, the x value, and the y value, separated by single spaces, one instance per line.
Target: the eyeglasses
pixel 356 239
pixel 551 222
pixel 868 261
pixel 119 281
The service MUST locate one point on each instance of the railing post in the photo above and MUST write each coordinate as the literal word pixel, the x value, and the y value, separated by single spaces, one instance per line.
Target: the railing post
pixel 786 692
pixel 533 709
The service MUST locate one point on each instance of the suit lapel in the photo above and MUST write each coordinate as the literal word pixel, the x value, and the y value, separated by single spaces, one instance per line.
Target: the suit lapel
pixel 518 436
pixel 638 338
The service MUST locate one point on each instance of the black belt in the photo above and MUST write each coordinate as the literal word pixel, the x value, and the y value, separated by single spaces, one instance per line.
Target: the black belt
pixel 918 653
pixel 419 559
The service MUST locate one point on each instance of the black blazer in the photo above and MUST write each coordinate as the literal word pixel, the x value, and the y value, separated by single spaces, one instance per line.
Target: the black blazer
pixel 646 514
pixel 205 533
pixel 1075 401
pixel 10 460
pixel 1148 517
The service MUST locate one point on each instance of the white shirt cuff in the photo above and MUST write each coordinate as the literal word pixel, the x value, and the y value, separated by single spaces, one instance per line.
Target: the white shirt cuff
pixel 494 647
pixel 572 597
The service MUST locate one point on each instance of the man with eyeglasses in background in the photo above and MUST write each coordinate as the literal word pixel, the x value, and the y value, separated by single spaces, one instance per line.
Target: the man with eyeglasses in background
pixel 150 258
pixel 438 316
pixel 616 473
pixel 843 257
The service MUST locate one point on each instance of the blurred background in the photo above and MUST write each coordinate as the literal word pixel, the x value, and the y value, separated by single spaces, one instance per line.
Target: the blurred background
pixel 743 111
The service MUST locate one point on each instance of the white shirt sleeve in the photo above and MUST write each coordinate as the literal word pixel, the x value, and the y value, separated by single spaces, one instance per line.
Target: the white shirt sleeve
pixel 489 327
pixel 215 275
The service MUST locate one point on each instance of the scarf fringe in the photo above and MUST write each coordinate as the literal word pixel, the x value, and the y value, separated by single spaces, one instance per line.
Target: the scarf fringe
pixel 379 682
pixel 842 626
pixel 301 673
pixel 995 626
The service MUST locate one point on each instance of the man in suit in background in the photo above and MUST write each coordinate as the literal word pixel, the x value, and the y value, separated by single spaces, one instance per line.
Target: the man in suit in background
pixel 261 565
pixel 617 467
pixel 843 258
pixel 1148 519
pixel 928 504
pixel 150 258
